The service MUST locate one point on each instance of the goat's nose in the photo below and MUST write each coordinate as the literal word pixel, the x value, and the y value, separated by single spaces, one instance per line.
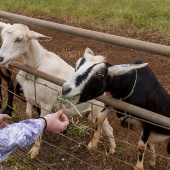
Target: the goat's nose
pixel 1 59
pixel 66 90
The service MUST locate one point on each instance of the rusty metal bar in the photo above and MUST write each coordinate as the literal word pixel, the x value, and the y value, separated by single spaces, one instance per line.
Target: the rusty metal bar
pixel 137 111
pixel 38 73
pixel 108 38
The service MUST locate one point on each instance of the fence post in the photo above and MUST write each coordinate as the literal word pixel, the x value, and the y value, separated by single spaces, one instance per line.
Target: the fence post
pixel 108 38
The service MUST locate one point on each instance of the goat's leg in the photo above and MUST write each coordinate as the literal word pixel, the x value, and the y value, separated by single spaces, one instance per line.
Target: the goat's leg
pixel 9 108
pixel 29 110
pixel 11 89
pixel 105 127
pixel 99 121
pixel 152 149
pixel 109 132
pixel 34 151
pixel 142 147
pixel 0 90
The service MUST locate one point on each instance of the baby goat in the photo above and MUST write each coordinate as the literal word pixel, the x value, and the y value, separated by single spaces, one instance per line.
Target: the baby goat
pixel 128 82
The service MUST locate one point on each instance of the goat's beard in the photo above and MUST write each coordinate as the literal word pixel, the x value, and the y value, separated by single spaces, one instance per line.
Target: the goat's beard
pixel 74 99
pixel 7 63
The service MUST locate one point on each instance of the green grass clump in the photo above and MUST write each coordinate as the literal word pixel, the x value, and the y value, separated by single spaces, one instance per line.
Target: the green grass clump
pixel 152 14
pixel 67 102
pixel 77 130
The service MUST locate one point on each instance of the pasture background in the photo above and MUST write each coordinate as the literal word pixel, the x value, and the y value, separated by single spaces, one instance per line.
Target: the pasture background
pixel 148 14
pixel 145 20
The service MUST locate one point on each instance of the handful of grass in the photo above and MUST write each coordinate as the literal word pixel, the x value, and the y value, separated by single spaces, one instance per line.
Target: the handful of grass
pixel 67 102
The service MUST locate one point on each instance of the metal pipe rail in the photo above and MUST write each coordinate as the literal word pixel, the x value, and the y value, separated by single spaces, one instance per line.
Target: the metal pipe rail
pixel 108 38
pixel 137 111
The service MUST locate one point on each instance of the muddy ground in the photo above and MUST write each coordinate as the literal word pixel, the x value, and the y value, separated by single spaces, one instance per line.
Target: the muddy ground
pixel 60 152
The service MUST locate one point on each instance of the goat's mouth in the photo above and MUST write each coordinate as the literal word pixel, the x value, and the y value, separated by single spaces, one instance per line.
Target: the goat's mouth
pixel 6 63
pixel 72 99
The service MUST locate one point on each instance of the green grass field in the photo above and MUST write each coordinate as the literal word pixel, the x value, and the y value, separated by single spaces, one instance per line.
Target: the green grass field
pixel 152 14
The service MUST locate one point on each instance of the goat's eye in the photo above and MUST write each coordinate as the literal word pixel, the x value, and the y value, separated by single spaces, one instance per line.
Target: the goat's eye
pixel 18 40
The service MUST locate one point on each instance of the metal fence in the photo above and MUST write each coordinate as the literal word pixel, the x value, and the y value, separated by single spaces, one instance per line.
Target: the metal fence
pixel 108 38
pixel 116 40
pixel 142 113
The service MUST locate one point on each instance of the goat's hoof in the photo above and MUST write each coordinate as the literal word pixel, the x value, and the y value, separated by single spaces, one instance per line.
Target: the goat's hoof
pixel 7 111
pixel 28 116
pixel 89 145
pixel 33 152
pixel 65 132
pixel 92 146
pixel 112 151
pixel 138 168
pixel 152 163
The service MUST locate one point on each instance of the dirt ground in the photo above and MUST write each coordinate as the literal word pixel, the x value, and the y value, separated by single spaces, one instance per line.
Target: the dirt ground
pixel 59 152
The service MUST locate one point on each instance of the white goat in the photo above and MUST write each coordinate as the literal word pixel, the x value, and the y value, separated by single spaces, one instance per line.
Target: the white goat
pixel 19 40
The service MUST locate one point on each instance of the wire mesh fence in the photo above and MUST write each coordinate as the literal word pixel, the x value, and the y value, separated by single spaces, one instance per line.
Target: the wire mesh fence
pixel 70 151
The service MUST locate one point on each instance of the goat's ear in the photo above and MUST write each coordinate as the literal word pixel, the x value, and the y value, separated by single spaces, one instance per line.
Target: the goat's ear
pixel 117 70
pixel 2 25
pixel 87 52
pixel 38 36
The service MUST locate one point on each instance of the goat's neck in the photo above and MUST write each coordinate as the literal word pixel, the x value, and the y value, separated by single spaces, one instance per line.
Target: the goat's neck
pixel 120 86
pixel 34 54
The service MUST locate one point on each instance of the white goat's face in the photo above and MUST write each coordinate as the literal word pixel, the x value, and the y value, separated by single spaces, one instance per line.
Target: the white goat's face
pixel 90 78
pixel 15 41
